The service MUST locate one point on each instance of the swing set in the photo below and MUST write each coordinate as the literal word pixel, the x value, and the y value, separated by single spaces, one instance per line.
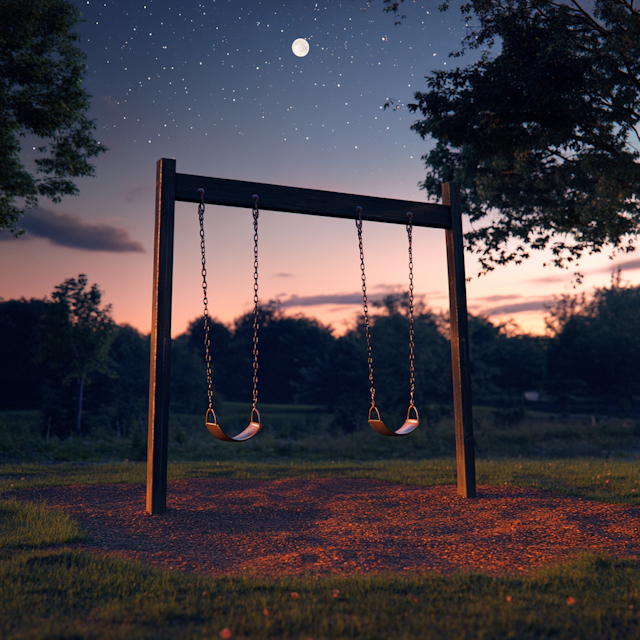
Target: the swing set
pixel 172 187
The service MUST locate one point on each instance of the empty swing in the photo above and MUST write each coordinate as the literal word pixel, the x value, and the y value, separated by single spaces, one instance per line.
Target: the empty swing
pixel 374 419
pixel 210 418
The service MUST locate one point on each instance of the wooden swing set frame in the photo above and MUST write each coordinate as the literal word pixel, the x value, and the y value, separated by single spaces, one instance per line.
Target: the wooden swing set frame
pixel 172 187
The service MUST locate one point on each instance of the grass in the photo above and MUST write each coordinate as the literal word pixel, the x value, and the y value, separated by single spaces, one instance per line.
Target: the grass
pixel 608 480
pixel 68 594
pixel 23 524
pixel 65 593
pixel 300 432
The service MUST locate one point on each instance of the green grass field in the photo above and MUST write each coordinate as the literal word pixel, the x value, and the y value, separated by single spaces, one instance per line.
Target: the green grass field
pixel 608 480
pixel 49 589
pixel 23 524
pixel 300 432
pixel 64 593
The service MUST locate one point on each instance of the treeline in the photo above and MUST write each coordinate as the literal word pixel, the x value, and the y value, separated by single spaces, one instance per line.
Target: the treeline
pixel 66 357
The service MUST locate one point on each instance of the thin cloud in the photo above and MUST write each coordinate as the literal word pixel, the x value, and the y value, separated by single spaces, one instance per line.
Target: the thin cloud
pixel 347 299
pixel 402 288
pixel 498 298
pixel 66 230
pixel 518 307
pixel 627 265
pixel 389 288
pixel 283 275
pixel 551 279
pixel 435 295
pixel 336 299
pixel 341 309
pixel 134 194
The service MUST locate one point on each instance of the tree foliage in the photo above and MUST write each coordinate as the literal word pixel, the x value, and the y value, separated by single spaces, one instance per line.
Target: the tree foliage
pixel 588 359
pixel 123 399
pixel 41 96
pixel 542 131
pixel 504 365
pixel 76 336
pixel 338 377
pixel 287 344
pixel 20 378
pixel 596 344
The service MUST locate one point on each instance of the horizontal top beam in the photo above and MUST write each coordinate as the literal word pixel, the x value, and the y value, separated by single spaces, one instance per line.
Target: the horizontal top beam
pixel 238 193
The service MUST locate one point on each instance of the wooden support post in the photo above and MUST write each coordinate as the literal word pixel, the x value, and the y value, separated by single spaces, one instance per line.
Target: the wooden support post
pixel 465 453
pixel 160 368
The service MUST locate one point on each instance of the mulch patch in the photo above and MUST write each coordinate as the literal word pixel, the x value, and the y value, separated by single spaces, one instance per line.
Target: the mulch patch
pixel 343 526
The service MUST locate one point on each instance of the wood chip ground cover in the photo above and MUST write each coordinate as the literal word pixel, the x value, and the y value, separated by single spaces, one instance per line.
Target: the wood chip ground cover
pixel 365 558
pixel 343 526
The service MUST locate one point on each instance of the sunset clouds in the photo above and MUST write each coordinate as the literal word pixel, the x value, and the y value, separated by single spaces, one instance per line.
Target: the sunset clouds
pixel 67 230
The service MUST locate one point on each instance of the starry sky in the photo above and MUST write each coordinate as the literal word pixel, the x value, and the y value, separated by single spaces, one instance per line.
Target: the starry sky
pixel 216 86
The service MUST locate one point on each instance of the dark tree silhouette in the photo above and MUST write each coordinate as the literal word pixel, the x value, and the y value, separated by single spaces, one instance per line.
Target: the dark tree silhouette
pixel 20 377
pixel 596 345
pixel 76 336
pixel 542 134
pixel 286 346
pixel 41 95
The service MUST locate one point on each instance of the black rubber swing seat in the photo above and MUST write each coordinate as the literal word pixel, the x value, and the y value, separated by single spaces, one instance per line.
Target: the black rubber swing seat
pixel 409 424
pixel 249 432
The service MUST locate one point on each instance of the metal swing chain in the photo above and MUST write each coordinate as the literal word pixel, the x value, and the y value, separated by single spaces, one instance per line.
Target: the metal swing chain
pixel 207 344
pixel 256 323
pixel 366 307
pixel 411 340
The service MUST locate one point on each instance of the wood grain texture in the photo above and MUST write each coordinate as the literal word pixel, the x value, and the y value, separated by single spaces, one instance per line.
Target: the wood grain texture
pixel 236 193
pixel 160 366
pixel 461 367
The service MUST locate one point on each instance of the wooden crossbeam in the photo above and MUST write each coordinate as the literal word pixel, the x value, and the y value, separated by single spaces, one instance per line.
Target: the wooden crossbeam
pixel 237 193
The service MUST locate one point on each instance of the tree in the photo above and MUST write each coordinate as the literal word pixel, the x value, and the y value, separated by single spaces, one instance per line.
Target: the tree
pixel 286 346
pixel 20 377
pixel 337 379
pixel 219 341
pixel 41 95
pixel 76 335
pixel 338 376
pixel 390 350
pixel 596 344
pixel 503 363
pixel 123 399
pixel 542 135
pixel 188 378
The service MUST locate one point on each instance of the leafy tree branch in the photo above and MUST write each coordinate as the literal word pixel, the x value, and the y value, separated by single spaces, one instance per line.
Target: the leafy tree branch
pixel 41 95
pixel 539 134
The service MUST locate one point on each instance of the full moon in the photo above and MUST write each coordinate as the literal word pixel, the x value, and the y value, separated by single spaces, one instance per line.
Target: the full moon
pixel 300 47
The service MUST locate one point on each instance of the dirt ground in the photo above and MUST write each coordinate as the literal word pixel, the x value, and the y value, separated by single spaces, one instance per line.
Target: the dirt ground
pixel 345 526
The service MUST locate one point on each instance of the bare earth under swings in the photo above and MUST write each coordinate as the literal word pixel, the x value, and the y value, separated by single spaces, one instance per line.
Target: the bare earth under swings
pixel 343 526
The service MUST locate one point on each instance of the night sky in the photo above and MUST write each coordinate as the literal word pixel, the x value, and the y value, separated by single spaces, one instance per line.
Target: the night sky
pixel 216 86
